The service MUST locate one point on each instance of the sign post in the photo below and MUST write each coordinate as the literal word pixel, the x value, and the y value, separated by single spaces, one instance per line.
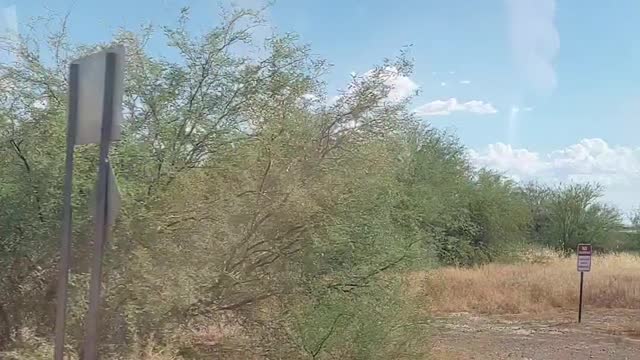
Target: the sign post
pixel 65 242
pixel 102 211
pixel 584 265
pixel 580 306
pixel 96 88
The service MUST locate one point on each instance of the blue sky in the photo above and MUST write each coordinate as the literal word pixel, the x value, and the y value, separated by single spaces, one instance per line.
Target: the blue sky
pixel 538 89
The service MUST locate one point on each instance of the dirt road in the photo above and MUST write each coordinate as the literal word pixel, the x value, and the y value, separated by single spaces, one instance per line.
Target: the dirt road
pixel 603 334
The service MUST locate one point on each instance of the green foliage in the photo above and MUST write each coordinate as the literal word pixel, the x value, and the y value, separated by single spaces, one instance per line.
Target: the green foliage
pixel 31 347
pixel 464 216
pixel 574 216
pixel 626 238
pixel 501 215
pixel 376 321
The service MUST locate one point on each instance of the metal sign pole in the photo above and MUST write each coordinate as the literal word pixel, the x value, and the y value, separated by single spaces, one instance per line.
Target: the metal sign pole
pixel 67 227
pixel 580 301
pixel 584 253
pixel 102 211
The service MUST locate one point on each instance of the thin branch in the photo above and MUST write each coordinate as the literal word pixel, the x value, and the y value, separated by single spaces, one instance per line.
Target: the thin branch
pixel 326 337
pixel 362 281
pixel 25 162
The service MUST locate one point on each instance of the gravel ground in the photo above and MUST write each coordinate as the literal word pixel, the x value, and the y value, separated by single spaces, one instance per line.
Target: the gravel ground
pixel 603 334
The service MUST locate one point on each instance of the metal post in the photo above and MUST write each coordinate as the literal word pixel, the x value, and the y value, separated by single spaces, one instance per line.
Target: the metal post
pixel 580 305
pixel 67 228
pixel 102 210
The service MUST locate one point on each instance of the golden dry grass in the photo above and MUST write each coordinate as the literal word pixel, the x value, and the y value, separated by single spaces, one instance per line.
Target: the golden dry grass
pixel 544 283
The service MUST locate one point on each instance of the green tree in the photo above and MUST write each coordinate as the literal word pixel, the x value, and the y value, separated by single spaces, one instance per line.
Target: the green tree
pixel 501 215
pixel 576 217
pixel 435 201
pixel 538 198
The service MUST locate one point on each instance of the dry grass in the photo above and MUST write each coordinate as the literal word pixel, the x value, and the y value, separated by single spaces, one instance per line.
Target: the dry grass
pixel 545 282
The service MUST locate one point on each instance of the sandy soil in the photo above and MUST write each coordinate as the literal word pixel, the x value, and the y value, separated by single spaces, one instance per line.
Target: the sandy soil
pixel 603 334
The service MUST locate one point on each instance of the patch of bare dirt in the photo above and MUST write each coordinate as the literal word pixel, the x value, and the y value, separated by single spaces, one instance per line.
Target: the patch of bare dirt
pixel 603 334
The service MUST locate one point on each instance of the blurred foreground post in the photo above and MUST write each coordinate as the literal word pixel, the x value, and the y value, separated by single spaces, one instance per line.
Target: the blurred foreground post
pixel 67 227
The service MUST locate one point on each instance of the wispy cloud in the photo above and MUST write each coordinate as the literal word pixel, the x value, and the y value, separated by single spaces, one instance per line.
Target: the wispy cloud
pixel 8 29
pixel 465 82
pixel 513 123
pixel 534 40
pixel 443 83
pixel 8 20
pixel 446 107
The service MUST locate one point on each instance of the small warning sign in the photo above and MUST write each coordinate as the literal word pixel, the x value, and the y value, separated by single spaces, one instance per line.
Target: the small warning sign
pixel 584 257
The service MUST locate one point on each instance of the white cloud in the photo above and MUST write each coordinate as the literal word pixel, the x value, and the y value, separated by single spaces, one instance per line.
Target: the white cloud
pixel 309 97
pixel 590 160
pixel 504 158
pixel 587 157
pixel 452 72
pixel 527 109
pixel 311 100
pixel 446 107
pixel 534 40
pixel 465 82
pixel 333 99
pixel 443 84
pixel 400 86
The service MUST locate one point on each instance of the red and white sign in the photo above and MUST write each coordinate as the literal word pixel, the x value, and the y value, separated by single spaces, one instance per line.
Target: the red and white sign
pixel 584 257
